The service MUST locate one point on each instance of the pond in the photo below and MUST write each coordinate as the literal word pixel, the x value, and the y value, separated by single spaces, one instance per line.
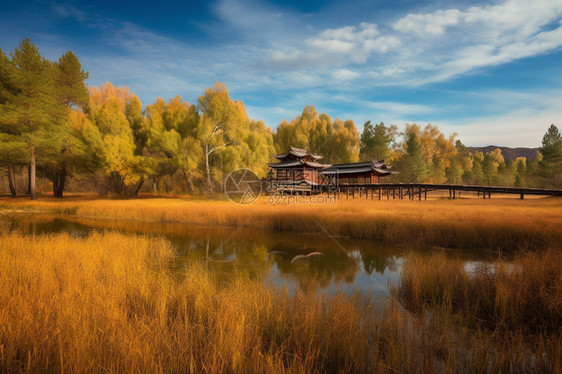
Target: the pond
pixel 279 259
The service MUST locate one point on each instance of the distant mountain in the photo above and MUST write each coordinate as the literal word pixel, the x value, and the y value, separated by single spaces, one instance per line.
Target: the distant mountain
pixel 507 152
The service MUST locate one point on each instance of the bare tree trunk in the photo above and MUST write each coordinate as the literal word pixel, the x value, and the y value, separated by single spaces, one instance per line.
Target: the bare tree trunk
pixel 59 180
pixel 138 188
pixel 28 180
pixel 207 167
pixel 189 181
pixel 11 181
pixel 32 191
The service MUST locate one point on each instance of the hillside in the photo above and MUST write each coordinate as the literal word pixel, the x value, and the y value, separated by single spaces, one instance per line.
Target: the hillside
pixel 507 152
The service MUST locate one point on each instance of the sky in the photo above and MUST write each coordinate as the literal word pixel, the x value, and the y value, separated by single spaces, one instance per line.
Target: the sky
pixel 489 71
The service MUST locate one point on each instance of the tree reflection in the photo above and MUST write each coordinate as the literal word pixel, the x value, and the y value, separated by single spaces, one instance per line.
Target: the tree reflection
pixel 228 252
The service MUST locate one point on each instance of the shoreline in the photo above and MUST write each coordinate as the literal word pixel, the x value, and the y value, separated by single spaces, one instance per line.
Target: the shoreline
pixel 497 225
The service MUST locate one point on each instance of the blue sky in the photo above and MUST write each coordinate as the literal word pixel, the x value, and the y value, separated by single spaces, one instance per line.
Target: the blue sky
pixel 489 71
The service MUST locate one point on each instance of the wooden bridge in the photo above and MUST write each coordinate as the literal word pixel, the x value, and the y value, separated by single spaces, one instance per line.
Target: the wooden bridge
pixel 413 191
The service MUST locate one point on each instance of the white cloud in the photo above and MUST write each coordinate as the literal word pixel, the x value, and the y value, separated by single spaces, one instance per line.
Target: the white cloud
pixel 443 44
pixel 331 45
pixel 394 109
pixel 430 23
pixel 382 44
pixel 345 74
pixel 351 33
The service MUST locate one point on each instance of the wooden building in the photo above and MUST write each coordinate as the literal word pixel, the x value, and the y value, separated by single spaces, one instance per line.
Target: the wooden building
pixel 299 170
pixel 369 172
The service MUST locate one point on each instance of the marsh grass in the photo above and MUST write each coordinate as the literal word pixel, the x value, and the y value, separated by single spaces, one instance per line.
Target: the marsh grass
pixel 506 225
pixel 109 303
pixel 509 303
pixel 524 294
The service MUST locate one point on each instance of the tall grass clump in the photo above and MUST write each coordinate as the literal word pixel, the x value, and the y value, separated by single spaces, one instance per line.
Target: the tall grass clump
pixel 506 303
pixel 524 294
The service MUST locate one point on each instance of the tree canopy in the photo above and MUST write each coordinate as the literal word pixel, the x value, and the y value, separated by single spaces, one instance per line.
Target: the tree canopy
pixel 51 122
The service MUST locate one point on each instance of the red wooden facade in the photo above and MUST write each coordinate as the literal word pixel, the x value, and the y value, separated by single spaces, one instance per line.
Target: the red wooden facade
pixel 298 167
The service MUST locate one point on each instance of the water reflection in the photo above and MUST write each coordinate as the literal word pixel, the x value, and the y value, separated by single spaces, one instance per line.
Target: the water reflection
pixel 262 255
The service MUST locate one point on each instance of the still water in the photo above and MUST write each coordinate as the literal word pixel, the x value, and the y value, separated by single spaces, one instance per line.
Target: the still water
pixel 277 258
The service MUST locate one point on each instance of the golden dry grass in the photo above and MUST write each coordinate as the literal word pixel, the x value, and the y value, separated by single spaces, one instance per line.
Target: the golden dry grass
pixel 107 303
pixel 507 302
pixel 523 294
pixel 497 224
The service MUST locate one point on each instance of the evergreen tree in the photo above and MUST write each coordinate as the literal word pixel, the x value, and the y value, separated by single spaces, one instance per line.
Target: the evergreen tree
pixel 376 141
pixel 550 167
pixel 70 91
pixel 454 171
pixel 34 115
pixel 12 147
pixel 412 165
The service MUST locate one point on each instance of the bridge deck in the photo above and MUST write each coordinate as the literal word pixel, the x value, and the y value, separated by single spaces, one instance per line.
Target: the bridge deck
pixel 412 190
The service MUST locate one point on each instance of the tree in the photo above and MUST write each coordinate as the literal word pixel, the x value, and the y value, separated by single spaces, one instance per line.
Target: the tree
pixel 520 172
pixel 217 125
pixel 111 138
pixel 491 163
pixel 70 91
pixel 454 171
pixel 228 138
pixel 459 165
pixel 12 147
pixel 342 144
pixel 338 141
pixel 412 165
pixel 550 167
pixel 169 134
pixel 377 141
pixel 34 116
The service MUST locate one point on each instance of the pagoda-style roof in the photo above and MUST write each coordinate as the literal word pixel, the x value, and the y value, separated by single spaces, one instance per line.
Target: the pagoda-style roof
pixel 299 163
pixel 298 157
pixel 301 158
pixel 377 167
pixel 297 153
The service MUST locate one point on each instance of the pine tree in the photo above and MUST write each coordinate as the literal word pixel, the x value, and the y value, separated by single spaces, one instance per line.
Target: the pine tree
pixel 376 141
pixel 550 167
pixel 70 91
pixel 34 115
pixel 412 165
pixel 11 147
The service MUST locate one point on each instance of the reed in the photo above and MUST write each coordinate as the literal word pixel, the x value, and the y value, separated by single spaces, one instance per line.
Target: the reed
pixel 509 302
pixel 523 294
pixel 109 303
pixel 506 225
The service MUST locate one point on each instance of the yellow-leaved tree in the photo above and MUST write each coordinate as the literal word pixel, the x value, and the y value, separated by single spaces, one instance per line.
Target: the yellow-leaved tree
pixel 112 140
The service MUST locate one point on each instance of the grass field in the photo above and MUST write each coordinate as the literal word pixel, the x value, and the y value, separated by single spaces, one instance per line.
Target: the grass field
pixel 107 303
pixel 110 303
pixel 503 224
